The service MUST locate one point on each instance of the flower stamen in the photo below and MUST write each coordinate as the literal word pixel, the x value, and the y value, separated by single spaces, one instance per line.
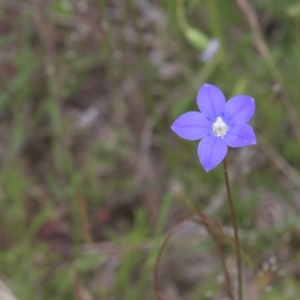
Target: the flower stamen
pixel 219 127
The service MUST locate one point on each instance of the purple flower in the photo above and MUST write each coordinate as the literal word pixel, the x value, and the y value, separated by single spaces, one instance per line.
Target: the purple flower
pixel 219 125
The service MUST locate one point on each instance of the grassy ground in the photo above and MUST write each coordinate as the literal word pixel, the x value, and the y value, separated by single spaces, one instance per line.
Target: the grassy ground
pixel 92 178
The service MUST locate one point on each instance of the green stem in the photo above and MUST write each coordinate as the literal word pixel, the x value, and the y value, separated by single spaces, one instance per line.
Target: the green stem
pixel 236 235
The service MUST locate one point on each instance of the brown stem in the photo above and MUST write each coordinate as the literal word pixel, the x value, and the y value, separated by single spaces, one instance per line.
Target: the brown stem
pixel 227 277
pixel 207 222
pixel 236 235
pixel 85 222
pixel 160 252
pixel 217 234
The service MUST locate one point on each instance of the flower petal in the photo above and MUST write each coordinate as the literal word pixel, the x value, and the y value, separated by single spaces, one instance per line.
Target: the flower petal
pixel 211 151
pixel 192 126
pixel 239 109
pixel 240 136
pixel 211 101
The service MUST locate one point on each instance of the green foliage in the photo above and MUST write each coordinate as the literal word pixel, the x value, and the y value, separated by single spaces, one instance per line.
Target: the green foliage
pixel 92 178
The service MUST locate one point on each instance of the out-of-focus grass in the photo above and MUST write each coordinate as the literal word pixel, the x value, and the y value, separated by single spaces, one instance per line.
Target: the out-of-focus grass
pixel 92 178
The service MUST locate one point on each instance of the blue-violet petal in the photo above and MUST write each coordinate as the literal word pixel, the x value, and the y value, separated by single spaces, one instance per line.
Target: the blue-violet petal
pixel 211 101
pixel 239 109
pixel 240 135
pixel 211 152
pixel 192 126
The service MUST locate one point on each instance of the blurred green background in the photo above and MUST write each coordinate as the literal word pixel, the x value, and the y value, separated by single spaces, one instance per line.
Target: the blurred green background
pixel 92 178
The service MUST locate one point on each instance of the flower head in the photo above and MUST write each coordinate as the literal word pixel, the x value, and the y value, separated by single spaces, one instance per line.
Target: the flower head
pixel 219 124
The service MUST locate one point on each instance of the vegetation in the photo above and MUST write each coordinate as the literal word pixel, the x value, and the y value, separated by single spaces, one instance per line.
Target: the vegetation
pixel 92 178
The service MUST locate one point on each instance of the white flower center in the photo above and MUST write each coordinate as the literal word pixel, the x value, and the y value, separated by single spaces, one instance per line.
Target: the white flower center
pixel 219 127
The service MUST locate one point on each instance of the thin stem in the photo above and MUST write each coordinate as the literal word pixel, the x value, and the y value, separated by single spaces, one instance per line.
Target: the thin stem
pixel 227 277
pixel 236 235
pixel 207 222
pixel 160 252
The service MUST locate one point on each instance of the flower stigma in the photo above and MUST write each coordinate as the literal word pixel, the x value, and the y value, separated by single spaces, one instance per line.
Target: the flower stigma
pixel 219 127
